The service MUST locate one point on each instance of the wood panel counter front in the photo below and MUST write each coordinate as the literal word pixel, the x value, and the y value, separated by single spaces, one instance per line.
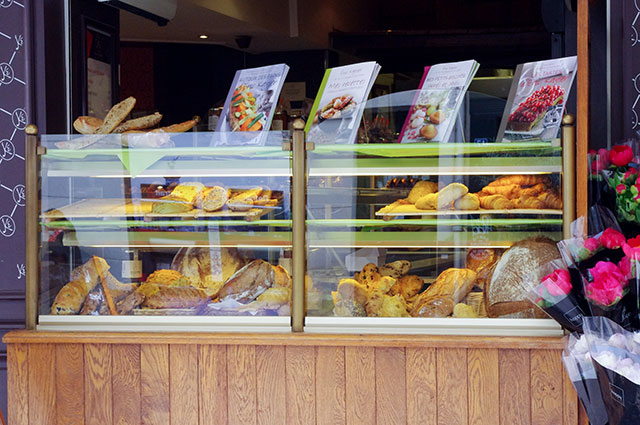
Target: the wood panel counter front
pixel 205 379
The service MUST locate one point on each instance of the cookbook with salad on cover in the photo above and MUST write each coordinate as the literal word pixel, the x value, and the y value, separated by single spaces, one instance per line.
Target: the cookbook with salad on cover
pixel 435 106
pixel 537 99
pixel 252 99
pixel 339 104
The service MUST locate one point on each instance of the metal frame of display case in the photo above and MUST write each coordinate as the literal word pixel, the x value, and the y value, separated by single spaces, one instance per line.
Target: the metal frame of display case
pixel 299 147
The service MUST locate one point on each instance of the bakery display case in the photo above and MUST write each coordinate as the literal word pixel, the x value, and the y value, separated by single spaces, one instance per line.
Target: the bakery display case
pixel 432 237
pixel 169 231
pixel 216 231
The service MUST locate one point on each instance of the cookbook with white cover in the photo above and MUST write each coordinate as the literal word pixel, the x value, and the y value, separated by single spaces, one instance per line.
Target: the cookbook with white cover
pixel 339 104
pixel 252 99
pixel 435 106
pixel 537 99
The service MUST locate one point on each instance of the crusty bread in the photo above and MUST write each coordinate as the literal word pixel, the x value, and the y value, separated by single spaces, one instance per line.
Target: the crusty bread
pixel 449 194
pixel 407 286
pixel 396 269
pixel 208 268
pixel 141 123
pixel 421 189
pixel 116 115
pixel 467 202
pixel 87 125
pixel 162 296
pixel 212 198
pixel 427 202
pixel 171 205
pixel 248 282
pixel 180 127
pixel 448 290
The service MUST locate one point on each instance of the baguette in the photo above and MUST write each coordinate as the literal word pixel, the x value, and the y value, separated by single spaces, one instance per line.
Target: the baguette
pixel 87 125
pixel 449 289
pixel 141 123
pixel 116 115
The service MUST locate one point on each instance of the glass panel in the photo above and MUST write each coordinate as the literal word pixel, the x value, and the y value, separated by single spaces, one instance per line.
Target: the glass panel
pixel 382 243
pixel 165 225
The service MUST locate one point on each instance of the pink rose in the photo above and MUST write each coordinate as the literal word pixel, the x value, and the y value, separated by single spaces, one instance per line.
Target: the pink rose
pixel 558 283
pixel 625 266
pixel 621 155
pixel 592 152
pixel 632 248
pixel 592 244
pixel 621 189
pixel 607 285
pixel 612 239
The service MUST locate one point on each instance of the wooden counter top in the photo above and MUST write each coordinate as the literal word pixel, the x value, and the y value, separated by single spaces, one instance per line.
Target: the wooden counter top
pixel 288 339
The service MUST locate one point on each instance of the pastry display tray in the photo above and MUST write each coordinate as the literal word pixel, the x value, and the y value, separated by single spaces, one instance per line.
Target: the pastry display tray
pixel 113 208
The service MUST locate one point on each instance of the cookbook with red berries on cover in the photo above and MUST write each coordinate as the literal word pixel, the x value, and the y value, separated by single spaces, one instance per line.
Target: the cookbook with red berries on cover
pixel 435 106
pixel 537 99
pixel 337 110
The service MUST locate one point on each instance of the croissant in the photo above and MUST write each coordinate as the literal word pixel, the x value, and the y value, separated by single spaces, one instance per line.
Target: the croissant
pixel 496 202
pixel 534 190
pixel 529 202
pixel 509 191
pixel 551 200
pixel 521 180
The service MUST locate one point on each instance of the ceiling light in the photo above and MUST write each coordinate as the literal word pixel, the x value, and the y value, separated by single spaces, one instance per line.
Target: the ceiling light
pixel 203 36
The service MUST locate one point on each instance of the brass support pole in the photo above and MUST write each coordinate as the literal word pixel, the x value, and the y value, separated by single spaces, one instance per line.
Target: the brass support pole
pixel 568 174
pixel 31 219
pixel 298 219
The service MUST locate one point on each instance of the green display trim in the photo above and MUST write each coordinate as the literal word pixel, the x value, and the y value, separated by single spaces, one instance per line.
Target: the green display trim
pixel 422 239
pixel 488 164
pixel 70 225
pixel 398 150
pixel 435 222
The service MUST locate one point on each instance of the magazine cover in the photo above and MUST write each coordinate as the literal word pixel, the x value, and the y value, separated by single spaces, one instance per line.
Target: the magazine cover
pixel 537 99
pixel 435 108
pixel 252 99
pixel 339 104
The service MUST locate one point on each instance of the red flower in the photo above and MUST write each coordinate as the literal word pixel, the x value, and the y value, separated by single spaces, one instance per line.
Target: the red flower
pixel 632 171
pixel 608 282
pixel 632 248
pixel 558 282
pixel 612 239
pixel 625 266
pixel 621 155
pixel 592 244
pixel 603 157
pixel 621 189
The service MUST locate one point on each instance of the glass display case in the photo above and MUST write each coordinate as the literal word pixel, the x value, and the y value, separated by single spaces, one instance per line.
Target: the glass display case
pixel 139 228
pixel 197 231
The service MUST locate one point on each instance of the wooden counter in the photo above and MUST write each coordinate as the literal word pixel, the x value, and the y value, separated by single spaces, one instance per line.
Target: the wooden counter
pixel 128 378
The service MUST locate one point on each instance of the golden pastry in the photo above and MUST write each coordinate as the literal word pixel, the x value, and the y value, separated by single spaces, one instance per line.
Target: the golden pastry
pixel 467 202
pixel 421 189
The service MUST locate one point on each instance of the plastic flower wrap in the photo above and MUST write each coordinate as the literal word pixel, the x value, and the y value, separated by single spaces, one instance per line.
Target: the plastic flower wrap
pixel 579 367
pixel 616 358
pixel 556 295
pixel 631 264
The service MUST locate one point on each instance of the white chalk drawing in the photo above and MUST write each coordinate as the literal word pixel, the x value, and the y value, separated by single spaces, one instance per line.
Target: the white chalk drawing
pixel 12 71
pixel 22 271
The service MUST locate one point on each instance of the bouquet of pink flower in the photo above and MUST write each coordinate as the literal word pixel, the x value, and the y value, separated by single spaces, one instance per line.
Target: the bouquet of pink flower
pixel 557 296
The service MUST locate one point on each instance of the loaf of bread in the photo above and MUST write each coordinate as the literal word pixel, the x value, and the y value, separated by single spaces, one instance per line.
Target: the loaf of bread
pixel 141 123
pixel 383 305
pixel 396 269
pixel 449 194
pixel 350 289
pixel 84 279
pixel 87 125
pixel 467 202
pixel 245 200
pixel 513 274
pixel 116 115
pixel 129 303
pixel 407 286
pixel 168 278
pixel 421 189
pixel 283 279
pixel 208 268
pixel 187 191
pixel 212 198
pixel 163 296
pixel 248 282
pixel 171 205
pixel 448 290
pixel 427 202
